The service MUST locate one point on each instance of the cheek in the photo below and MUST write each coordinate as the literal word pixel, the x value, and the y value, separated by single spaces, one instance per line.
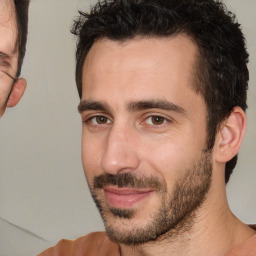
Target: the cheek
pixel 4 92
pixel 168 160
pixel 91 155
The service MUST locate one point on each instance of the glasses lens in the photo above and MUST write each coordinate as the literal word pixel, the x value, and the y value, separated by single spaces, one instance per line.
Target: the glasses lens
pixel 6 83
pixel 6 79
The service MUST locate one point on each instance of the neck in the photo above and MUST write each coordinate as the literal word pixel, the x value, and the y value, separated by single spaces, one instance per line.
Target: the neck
pixel 214 231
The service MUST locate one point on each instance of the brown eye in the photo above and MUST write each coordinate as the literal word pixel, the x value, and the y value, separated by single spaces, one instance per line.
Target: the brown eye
pixel 157 120
pixel 97 120
pixel 101 120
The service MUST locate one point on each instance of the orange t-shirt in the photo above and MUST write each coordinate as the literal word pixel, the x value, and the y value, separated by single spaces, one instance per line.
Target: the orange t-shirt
pixel 98 244
pixel 94 244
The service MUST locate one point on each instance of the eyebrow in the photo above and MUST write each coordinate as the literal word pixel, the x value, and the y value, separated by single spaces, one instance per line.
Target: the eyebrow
pixel 158 104
pixel 86 105
pixel 133 106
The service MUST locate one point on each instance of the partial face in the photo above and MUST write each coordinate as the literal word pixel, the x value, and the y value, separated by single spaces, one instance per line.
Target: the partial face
pixel 8 50
pixel 144 135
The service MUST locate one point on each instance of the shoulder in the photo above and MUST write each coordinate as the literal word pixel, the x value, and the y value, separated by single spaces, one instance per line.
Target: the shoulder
pixel 96 243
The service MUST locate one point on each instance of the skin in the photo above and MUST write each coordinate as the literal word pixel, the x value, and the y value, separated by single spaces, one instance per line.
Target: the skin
pixel 129 140
pixel 10 93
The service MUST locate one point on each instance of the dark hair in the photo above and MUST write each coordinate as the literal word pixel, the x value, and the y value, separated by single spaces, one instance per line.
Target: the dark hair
pixel 21 8
pixel 221 71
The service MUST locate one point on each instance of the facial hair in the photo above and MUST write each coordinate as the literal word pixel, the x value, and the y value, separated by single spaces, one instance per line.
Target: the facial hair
pixel 176 213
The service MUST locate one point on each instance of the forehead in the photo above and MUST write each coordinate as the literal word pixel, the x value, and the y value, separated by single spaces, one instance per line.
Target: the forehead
pixel 8 27
pixel 143 65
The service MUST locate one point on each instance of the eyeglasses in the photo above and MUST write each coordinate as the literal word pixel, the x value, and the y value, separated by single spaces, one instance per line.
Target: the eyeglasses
pixel 3 74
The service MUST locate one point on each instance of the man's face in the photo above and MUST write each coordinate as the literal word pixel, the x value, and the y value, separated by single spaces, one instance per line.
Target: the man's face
pixel 143 136
pixel 8 50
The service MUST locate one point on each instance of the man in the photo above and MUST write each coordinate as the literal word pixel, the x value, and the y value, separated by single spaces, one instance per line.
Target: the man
pixel 13 37
pixel 163 88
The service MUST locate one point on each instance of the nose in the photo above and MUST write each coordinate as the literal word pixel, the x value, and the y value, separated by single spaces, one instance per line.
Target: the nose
pixel 120 154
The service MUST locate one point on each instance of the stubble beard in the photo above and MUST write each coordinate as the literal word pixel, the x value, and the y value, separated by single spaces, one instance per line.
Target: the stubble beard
pixel 176 214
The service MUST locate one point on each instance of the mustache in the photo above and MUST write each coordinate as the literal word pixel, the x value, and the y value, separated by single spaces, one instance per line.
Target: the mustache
pixel 127 180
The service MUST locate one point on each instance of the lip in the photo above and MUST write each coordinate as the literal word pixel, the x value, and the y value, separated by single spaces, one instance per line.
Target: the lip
pixel 125 197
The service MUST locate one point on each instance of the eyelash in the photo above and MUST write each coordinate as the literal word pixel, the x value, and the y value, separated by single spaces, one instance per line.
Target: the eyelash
pixel 88 120
pixel 4 61
pixel 163 120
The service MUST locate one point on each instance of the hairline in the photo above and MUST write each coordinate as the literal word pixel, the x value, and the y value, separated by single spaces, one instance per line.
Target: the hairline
pixel 196 84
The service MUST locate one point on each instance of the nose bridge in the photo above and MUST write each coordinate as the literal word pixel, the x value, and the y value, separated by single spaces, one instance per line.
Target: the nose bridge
pixel 120 151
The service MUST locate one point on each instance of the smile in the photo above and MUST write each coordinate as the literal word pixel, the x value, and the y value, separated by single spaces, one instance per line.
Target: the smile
pixel 125 197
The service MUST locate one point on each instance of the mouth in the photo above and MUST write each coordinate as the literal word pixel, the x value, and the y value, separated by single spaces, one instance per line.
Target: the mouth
pixel 124 198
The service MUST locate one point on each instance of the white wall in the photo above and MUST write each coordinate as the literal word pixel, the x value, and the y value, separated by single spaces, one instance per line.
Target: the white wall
pixel 43 192
pixel 242 189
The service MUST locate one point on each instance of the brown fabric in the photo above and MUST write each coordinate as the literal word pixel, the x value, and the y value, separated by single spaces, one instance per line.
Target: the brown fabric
pixel 94 244
pixel 98 244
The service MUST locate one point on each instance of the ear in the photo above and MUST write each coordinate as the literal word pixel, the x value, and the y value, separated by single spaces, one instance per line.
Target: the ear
pixel 17 92
pixel 230 136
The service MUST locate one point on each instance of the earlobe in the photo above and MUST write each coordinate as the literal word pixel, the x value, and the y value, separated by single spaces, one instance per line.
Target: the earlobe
pixel 230 136
pixel 17 92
